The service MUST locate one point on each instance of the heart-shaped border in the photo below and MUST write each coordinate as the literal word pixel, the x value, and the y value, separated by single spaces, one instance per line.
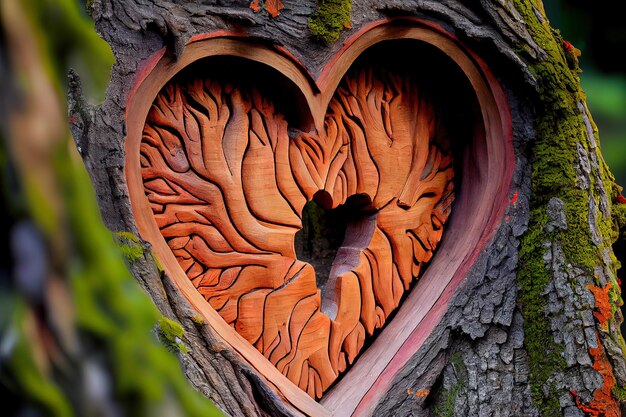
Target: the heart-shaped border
pixel 484 200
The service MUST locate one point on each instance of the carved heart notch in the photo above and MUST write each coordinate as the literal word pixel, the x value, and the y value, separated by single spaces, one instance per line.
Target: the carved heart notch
pixel 219 173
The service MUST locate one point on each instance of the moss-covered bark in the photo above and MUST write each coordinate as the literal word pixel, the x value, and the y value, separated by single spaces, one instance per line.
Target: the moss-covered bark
pixel 567 165
pixel 330 19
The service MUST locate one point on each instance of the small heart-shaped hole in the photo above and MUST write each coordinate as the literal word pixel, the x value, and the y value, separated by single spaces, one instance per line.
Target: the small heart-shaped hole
pixel 331 240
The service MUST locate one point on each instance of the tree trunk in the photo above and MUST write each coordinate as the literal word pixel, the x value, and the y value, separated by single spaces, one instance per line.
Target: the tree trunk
pixel 517 313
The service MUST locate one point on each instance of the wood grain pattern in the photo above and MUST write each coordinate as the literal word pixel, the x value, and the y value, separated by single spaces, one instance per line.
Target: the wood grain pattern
pixel 227 186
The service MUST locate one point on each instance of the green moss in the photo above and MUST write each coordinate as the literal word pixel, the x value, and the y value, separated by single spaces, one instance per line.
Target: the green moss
pixel 199 320
pixel 560 128
pixel 129 246
pixel 457 361
pixel 158 263
pixel 619 215
pixel 620 393
pixel 544 356
pixel 330 19
pixel 445 408
pixel 171 333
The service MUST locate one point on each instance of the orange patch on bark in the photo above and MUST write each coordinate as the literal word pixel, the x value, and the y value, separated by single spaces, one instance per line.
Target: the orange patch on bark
pixel 603 303
pixel 255 6
pixel 273 7
pixel 603 403
pixel 422 393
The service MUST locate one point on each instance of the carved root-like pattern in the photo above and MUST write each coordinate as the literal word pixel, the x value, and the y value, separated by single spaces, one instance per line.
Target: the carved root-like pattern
pixel 227 186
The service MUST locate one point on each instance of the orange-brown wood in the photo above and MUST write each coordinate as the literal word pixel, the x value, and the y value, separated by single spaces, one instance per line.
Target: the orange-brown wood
pixel 227 186
pixel 348 333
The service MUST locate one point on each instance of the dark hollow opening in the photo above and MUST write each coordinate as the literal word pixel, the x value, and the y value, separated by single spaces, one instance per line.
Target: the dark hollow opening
pixel 323 231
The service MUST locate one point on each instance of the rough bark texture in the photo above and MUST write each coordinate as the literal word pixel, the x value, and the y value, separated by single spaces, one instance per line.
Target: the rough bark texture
pixel 534 329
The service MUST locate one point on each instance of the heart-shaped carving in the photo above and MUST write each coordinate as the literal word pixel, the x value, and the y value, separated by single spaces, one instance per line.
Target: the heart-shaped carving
pixel 227 180
pixel 464 97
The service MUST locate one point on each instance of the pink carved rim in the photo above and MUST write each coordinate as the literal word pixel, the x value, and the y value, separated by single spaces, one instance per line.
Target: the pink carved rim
pixel 485 196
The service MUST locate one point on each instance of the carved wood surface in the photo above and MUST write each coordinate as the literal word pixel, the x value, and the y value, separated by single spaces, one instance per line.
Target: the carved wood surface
pixel 227 181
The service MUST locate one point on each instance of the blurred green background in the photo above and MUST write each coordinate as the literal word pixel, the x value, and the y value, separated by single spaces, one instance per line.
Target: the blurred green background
pixel 78 336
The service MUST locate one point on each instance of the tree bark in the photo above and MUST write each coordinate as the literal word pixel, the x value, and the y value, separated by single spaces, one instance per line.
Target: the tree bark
pixel 532 329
